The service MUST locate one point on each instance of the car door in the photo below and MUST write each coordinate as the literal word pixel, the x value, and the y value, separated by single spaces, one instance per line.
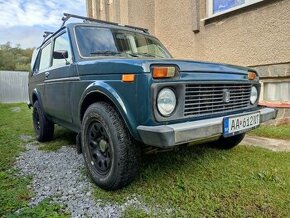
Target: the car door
pixel 58 79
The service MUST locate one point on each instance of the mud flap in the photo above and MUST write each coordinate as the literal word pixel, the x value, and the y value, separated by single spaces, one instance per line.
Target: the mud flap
pixel 78 143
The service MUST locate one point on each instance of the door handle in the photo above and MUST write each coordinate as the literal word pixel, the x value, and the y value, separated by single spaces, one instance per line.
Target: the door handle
pixel 46 75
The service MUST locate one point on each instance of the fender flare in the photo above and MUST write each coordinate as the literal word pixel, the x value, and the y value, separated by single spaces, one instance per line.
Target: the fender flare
pixel 109 92
pixel 38 97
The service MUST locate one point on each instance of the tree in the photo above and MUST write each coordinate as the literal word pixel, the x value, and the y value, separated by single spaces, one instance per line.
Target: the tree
pixel 15 58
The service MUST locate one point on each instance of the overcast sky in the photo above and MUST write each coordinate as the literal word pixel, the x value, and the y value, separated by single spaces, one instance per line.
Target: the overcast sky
pixel 24 21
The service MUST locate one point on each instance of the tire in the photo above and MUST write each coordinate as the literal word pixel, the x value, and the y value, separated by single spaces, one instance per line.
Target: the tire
pixel 228 143
pixel 110 153
pixel 43 127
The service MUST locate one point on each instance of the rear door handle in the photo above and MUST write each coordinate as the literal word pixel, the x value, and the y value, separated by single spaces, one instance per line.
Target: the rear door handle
pixel 46 75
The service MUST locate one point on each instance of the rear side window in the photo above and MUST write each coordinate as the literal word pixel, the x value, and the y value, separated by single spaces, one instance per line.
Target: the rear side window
pixel 45 58
pixel 34 59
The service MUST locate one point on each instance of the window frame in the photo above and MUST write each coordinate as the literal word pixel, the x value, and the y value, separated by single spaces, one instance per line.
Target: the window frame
pixel 211 14
pixel 53 46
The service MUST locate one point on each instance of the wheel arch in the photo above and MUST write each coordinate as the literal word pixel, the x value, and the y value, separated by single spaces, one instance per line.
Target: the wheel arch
pixel 36 97
pixel 97 94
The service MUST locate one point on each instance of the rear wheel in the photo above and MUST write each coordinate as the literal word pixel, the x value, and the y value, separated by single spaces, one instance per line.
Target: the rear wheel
pixel 43 127
pixel 228 143
pixel 110 153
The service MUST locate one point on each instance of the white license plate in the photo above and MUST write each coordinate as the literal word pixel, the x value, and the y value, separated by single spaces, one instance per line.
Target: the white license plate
pixel 239 124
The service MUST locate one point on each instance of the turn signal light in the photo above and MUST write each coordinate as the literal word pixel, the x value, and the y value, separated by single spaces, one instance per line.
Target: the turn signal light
pixel 252 75
pixel 161 72
pixel 128 77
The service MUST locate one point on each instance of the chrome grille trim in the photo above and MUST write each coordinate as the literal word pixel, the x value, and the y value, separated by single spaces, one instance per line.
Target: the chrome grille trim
pixel 206 99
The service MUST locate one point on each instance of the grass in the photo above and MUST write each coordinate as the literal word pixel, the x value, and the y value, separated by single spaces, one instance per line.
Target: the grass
pixel 13 191
pixel 195 181
pixel 15 120
pixel 43 210
pixel 276 132
pixel 199 181
pixel 131 212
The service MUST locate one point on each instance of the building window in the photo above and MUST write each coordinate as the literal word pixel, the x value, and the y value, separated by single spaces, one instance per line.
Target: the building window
pixel 217 7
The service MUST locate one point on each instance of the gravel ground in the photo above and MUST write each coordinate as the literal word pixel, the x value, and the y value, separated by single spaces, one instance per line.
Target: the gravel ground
pixel 57 175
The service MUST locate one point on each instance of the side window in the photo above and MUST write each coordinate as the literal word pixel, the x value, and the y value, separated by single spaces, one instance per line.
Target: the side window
pixel 45 57
pixel 35 62
pixel 61 43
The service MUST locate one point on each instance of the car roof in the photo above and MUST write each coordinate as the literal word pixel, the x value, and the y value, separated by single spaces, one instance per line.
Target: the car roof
pixel 95 24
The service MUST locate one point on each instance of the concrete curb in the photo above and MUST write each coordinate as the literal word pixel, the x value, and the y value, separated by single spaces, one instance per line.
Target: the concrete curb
pixel 271 144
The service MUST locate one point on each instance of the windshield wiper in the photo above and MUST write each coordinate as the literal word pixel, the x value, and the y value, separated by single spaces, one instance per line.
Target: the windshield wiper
pixel 147 55
pixel 105 53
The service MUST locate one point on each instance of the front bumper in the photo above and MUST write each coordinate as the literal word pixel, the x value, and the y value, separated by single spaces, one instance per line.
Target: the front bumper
pixel 166 136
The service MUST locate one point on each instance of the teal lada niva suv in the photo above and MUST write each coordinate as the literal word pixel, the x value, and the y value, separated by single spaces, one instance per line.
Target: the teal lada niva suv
pixel 119 89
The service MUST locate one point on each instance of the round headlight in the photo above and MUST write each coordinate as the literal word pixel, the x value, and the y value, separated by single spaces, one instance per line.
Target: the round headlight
pixel 166 102
pixel 254 95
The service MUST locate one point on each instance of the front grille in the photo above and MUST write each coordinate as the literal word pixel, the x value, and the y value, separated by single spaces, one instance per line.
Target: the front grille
pixel 205 99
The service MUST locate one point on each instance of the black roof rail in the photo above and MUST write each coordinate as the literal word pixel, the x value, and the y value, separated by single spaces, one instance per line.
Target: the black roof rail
pixel 67 16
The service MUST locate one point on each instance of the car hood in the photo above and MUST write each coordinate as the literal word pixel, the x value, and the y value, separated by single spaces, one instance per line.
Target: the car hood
pixel 131 65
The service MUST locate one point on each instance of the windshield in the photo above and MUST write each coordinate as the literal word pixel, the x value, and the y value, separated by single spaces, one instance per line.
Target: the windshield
pixel 97 41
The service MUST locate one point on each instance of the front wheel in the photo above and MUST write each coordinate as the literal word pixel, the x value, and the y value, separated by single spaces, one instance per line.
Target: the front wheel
pixel 110 154
pixel 228 143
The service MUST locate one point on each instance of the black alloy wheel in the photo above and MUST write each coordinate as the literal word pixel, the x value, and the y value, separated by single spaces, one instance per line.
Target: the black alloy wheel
pixel 100 148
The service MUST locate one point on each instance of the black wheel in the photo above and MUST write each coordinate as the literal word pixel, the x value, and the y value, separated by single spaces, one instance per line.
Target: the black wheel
pixel 228 143
pixel 110 154
pixel 43 127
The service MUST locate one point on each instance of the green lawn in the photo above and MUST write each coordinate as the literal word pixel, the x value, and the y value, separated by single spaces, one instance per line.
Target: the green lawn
pixel 199 181
pixel 192 182
pixel 276 132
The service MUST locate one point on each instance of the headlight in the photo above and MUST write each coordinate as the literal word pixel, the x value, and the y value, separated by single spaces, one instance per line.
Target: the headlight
pixel 254 95
pixel 166 102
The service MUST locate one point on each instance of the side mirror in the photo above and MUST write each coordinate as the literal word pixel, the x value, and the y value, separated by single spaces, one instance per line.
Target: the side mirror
pixel 60 54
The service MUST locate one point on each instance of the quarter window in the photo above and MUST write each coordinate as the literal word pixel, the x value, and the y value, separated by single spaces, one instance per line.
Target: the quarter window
pixel 216 7
pixel 45 57
pixel 62 43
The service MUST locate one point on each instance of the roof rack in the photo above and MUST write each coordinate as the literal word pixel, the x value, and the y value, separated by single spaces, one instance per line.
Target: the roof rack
pixel 67 16
pixel 46 34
